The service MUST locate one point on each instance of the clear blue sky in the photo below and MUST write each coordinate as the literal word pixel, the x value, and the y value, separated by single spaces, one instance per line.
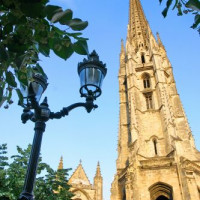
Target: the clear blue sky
pixel 93 137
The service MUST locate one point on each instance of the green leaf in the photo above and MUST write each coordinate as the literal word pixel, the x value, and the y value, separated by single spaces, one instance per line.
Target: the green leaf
pixel 179 10
pixel 57 30
pixel 10 79
pixel 193 4
pixel 169 2
pixel 50 11
pixel 66 17
pixel 164 12
pixel 44 49
pixel 175 5
pixel 62 17
pixel 3 54
pixel 21 98
pixel 63 51
pixel 77 24
pixel 9 95
pixel 7 29
pixel 20 61
pixel 197 21
pixel 1 94
pixel 22 77
pixel 74 34
pixel 40 70
pixel 81 47
pixel 33 10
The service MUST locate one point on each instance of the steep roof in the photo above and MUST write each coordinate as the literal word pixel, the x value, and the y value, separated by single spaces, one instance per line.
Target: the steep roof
pixel 79 176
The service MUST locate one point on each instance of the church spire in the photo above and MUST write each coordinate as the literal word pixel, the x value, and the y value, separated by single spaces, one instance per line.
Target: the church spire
pixel 98 170
pixel 138 25
pixel 60 166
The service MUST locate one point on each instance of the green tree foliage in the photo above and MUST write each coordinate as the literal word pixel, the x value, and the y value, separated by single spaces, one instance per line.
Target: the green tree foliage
pixel 185 7
pixel 29 28
pixel 3 164
pixel 52 186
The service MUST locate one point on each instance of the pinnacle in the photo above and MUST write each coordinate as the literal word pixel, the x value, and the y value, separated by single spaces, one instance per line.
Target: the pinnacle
pixel 60 166
pixel 122 47
pixel 98 170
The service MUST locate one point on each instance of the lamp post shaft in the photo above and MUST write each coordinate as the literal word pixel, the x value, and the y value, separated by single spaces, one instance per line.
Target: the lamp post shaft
pixel 27 193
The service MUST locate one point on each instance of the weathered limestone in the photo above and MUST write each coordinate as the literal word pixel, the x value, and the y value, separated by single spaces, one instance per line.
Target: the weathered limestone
pixel 157 158
pixel 81 186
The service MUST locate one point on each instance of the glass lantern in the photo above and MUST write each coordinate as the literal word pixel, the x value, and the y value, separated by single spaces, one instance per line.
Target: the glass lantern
pixel 92 72
pixel 35 88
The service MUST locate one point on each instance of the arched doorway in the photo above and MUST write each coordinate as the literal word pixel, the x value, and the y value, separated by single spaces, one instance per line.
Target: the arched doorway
pixel 161 191
pixel 162 198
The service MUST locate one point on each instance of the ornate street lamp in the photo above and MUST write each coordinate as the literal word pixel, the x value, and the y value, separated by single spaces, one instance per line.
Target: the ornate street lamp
pixel 92 72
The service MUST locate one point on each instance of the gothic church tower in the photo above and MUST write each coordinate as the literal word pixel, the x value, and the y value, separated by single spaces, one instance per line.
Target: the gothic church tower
pixel 157 158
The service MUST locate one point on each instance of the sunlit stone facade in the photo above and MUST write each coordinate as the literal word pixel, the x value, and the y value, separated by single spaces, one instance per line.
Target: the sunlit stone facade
pixel 81 186
pixel 157 158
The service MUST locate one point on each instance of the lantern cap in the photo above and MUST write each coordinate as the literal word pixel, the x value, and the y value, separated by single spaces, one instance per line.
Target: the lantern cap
pixel 40 79
pixel 93 61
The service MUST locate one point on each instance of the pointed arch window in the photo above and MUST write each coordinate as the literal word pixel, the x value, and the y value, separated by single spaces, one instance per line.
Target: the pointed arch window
pixel 146 81
pixel 142 58
pixel 149 102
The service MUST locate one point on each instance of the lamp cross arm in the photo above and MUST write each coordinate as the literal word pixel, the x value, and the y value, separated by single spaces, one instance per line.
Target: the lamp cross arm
pixel 89 105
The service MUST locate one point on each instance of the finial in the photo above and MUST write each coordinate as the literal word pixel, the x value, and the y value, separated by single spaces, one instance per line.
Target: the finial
pixel 80 161
pixel 98 170
pixel 60 166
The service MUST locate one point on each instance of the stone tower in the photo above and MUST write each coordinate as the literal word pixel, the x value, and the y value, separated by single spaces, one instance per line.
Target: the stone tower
pixel 157 158
pixel 81 186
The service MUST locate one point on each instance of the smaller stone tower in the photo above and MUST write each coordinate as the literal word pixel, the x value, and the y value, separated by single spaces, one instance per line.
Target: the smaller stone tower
pixel 81 186
pixel 98 184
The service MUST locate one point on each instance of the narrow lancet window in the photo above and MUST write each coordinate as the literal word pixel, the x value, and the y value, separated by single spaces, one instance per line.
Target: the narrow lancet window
pixel 149 102
pixel 143 58
pixel 155 146
pixel 146 81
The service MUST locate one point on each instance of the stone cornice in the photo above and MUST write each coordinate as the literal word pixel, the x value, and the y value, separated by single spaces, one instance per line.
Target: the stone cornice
pixel 144 68
pixel 157 162
pixel 82 186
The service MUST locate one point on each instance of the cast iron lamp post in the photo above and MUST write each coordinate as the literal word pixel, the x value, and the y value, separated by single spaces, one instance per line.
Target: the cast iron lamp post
pixel 92 72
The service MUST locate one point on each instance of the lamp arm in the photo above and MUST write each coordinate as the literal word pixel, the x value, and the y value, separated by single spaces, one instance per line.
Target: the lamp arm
pixel 89 105
pixel 26 115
